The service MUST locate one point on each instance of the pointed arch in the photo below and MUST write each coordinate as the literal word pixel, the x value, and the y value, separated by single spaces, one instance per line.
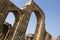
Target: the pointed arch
pixel 32 24
pixel 10 18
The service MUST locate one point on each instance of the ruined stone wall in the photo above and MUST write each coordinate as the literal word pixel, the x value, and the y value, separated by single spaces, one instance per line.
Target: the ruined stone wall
pixel 46 36
pixel 22 17
pixel 5 30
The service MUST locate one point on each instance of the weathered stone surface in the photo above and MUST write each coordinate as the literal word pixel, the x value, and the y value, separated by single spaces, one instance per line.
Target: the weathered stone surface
pixel 22 17
pixel 4 30
pixel 46 36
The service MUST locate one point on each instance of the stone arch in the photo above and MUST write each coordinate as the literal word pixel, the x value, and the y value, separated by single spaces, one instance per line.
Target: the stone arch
pixel 40 28
pixel 17 13
pixel 31 6
pixel 10 18
pixel 17 18
pixel 9 7
pixel 32 24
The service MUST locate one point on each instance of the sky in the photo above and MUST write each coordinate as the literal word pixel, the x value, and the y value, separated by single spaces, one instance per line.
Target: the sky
pixel 51 8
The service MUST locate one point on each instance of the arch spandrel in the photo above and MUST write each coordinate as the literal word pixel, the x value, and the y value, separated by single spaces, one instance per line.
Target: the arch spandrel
pixel 40 20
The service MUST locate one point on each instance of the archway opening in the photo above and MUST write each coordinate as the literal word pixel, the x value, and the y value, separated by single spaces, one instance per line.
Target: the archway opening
pixel 10 18
pixel 32 24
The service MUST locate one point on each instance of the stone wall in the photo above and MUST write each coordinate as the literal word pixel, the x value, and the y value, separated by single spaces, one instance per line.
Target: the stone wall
pixel 22 17
pixel 5 30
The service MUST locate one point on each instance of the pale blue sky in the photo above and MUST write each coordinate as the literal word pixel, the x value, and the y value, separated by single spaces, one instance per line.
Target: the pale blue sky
pixel 51 8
